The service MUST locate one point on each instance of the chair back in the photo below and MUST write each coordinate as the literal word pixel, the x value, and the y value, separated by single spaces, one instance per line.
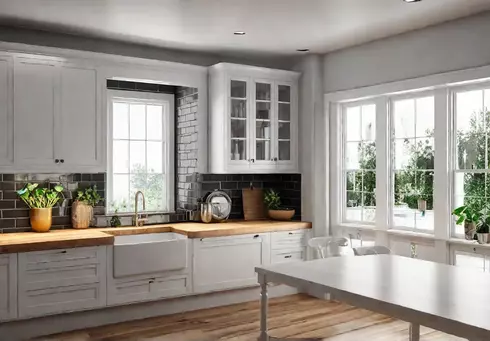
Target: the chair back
pixel 371 250
pixel 328 246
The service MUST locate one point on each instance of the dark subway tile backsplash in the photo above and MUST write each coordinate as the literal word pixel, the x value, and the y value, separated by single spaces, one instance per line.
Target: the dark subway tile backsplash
pixel 14 213
pixel 288 186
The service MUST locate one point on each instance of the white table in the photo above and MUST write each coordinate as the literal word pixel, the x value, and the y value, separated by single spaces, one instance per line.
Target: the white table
pixel 450 299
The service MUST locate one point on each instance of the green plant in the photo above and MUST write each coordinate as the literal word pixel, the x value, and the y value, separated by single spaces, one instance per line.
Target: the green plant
pixel 89 196
pixel 467 214
pixel 36 197
pixel 272 199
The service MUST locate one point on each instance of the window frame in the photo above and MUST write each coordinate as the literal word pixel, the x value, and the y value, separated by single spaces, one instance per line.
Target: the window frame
pixel 343 169
pixel 414 95
pixel 168 140
pixel 454 169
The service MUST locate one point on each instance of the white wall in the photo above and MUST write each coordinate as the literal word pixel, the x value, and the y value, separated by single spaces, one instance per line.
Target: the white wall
pixel 312 143
pixel 455 45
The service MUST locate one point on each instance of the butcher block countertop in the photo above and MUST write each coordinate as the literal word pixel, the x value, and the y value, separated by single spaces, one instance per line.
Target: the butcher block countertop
pixel 70 238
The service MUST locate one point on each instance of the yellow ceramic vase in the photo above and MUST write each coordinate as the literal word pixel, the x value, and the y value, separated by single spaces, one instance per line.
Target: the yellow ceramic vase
pixel 41 219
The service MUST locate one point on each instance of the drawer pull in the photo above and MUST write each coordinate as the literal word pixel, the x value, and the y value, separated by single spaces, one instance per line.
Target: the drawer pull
pixel 290 233
pixel 288 256
pixel 256 236
pixel 64 251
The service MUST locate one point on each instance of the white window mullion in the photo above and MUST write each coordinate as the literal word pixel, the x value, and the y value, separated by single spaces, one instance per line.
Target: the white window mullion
pixel 442 170
pixel 337 193
pixel 383 174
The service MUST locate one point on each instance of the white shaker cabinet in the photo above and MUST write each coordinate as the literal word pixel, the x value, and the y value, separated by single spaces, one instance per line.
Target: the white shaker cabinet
pixel 253 119
pixel 57 117
pixel 6 122
pixel 224 263
pixel 8 287
pixel 80 118
pixel 58 281
pixel 34 112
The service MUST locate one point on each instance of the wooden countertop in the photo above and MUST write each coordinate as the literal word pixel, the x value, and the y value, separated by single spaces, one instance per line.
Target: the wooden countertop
pixel 70 238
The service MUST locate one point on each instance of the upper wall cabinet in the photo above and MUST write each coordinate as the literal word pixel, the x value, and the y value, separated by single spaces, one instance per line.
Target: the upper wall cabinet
pixel 57 117
pixel 6 123
pixel 253 120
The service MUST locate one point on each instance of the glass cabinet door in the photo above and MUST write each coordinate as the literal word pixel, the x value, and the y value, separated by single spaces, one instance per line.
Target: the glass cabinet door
pixel 263 127
pixel 238 120
pixel 284 123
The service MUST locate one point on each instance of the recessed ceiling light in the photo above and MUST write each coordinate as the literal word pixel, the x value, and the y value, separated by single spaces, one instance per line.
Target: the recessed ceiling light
pixel 412 0
pixel 239 33
pixel 303 50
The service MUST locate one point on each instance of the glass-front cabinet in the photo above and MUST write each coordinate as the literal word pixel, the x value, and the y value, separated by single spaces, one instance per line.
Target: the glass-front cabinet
pixel 253 119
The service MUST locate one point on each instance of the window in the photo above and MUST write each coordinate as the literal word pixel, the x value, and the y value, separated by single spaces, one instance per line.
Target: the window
pixel 471 134
pixel 359 170
pixel 141 151
pixel 413 163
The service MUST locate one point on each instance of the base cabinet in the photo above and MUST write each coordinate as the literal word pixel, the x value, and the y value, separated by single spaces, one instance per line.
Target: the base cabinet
pixel 8 287
pixel 58 281
pixel 224 263
pixel 147 287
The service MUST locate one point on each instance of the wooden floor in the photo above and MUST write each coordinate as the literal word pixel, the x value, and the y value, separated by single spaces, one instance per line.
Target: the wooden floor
pixel 295 316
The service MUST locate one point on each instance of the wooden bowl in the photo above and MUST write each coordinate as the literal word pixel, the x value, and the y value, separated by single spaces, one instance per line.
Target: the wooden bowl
pixel 281 214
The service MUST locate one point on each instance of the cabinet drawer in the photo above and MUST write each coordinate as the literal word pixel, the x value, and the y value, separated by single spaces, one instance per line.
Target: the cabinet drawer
pixel 286 256
pixel 139 290
pixel 58 268
pixel 288 239
pixel 58 300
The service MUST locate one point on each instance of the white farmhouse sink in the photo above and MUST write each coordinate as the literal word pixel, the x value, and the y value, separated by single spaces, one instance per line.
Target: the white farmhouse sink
pixel 149 253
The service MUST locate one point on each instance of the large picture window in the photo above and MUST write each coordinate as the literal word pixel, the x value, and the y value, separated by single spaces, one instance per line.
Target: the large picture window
pixel 141 151
pixel 472 157
pixel 359 169
pixel 413 163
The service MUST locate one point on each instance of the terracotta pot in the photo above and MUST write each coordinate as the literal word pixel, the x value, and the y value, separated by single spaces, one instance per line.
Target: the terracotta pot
pixel 281 214
pixel 41 219
pixel 81 215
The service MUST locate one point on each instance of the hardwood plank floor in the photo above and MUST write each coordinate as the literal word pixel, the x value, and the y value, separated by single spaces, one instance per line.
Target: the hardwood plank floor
pixel 297 316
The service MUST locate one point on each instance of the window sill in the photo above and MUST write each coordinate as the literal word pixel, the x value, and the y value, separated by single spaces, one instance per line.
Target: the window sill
pixel 354 226
pixel 472 243
pixel 413 234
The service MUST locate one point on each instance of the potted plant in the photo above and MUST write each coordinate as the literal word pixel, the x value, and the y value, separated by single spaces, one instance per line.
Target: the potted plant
pixel 41 202
pixel 482 230
pixel 469 216
pixel 273 202
pixel 82 210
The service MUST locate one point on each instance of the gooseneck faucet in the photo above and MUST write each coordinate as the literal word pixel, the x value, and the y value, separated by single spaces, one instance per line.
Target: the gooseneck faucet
pixel 137 220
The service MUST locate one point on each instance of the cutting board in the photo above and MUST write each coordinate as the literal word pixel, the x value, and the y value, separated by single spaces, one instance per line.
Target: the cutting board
pixel 253 204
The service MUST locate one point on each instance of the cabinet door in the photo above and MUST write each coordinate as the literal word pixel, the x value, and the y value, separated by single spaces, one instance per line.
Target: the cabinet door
pixel 286 114
pixel 34 112
pixel 79 118
pixel 239 118
pixel 8 287
pixel 6 126
pixel 229 262
pixel 262 125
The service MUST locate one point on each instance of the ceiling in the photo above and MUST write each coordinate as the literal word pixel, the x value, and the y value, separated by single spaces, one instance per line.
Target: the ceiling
pixel 273 27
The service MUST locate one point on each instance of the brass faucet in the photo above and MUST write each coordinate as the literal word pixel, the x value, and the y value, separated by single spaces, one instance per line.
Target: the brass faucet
pixel 139 221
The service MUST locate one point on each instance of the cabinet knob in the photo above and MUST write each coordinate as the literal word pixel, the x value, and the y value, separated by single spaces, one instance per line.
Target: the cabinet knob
pixel 62 160
pixel 56 161
pixel 256 236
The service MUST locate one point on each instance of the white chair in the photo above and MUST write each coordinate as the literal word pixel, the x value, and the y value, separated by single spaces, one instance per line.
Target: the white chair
pixel 371 250
pixel 328 246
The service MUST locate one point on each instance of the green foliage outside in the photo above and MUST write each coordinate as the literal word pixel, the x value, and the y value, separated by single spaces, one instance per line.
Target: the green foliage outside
pixel 413 183
pixel 152 186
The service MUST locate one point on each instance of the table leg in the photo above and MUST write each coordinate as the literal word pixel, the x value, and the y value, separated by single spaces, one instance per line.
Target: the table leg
pixel 263 308
pixel 414 332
